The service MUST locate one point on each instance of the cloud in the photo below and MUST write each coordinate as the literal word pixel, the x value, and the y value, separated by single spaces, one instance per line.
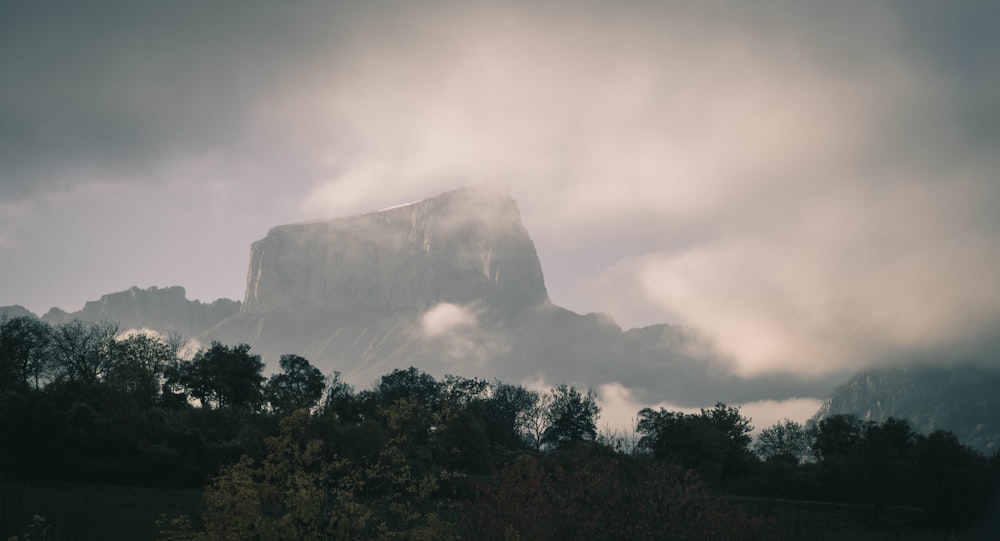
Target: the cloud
pixel 454 334
pixel 144 331
pixel 849 284
pixel 766 413
pixel 810 185
pixel 445 318
pixel 793 203
pixel 620 406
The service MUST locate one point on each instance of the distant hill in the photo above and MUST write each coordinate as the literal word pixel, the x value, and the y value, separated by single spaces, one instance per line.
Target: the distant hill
pixel 161 309
pixel 963 399
pixel 16 310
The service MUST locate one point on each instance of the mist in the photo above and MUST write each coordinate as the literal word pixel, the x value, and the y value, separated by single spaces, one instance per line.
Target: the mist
pixel 809 187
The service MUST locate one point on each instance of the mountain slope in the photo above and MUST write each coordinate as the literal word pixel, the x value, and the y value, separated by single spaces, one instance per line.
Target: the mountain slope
pixel 962 399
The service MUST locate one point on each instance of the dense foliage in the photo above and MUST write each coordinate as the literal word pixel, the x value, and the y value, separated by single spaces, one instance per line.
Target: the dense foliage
pixel 301 456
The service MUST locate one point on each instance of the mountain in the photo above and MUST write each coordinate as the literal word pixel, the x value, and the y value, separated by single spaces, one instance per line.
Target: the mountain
pixel 161 309
pixel 465 246
pixel 961 399
pixel 453 284
pixel 15 310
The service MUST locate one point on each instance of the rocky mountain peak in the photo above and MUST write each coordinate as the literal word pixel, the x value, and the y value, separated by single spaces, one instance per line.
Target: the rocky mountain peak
pixel 463 246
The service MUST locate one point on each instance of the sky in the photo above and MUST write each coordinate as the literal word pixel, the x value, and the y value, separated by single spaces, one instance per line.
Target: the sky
pixel 812 186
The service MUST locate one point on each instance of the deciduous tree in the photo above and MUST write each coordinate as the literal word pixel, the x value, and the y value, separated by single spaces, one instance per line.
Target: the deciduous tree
pixel 225 376
pixel 300 385
pixel 786 441
pixel 571 417
pixel 24 352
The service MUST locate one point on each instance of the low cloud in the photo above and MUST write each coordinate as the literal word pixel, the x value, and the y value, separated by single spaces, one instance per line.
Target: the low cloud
pixel 766 413
pixel 453 333
pixel 445 318
pixel 620 407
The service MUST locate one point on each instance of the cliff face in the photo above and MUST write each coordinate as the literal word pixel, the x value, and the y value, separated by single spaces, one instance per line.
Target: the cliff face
pixel 453 285
pixel 960 399
pixel 460 247
pixel 161 309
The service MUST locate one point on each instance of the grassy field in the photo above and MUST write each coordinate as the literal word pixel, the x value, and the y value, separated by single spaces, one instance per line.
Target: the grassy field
pixel 85 512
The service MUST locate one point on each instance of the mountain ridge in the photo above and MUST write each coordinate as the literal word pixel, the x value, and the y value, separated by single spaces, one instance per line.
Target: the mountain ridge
pixel 961 399
pixel 163 309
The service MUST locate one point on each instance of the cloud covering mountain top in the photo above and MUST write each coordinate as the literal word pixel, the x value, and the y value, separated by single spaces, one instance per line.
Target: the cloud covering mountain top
pixel 809 185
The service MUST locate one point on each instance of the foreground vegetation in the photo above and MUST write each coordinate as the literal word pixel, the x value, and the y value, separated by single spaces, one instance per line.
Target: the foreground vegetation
pixel 303 456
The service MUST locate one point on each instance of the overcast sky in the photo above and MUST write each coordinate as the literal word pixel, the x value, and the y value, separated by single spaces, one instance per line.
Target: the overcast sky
pixel 814 186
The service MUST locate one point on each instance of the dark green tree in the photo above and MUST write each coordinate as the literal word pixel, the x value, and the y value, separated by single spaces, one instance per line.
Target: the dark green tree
pixel 837 436
pixel 226 377
pixel 953 481
pixel 882 461
pixel 734 453
pixel 714 442
pixel 508 413
pixel 411 384
pixel 571 417
pixel 300 385
pixel 340 402
pixel 667 434
pixel 835 447
pixel 459 392
pixel 136 365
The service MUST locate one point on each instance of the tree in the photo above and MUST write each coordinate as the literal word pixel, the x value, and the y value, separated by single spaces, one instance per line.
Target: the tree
pixel 953 481
pixel 300 490
pixel 508 413
pixel 667 434
pixel 226 376
pixel 837 436
pixel 785 441
pixel 300 385
pixel 882 459
pixel 409 383
pixel 835 447
pixel 714 442
pixel 571 417
pixel 24 355
pixel 339 402
pixel 80 351
pixel 137 362
pixel 459 392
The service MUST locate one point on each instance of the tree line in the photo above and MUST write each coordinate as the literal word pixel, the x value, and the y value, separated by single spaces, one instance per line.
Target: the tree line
pixel 304 455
